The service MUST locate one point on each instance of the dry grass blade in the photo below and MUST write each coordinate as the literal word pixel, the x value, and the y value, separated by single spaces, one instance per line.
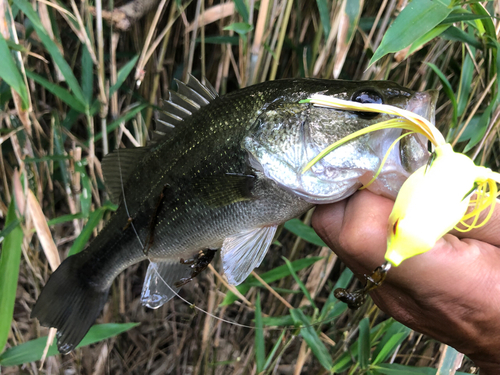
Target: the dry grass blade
pixel 319 274
pixel 50 339
pixel 273 292
pixel 230 287
pixel 43 231
pixel 213 14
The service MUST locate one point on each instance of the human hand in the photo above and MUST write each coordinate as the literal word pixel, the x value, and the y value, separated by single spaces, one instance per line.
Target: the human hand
pixel 450 293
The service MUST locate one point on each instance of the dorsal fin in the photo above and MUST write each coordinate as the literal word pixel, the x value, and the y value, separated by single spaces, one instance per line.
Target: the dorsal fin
pixel 207 91
pixel 117 167
pixel 188 99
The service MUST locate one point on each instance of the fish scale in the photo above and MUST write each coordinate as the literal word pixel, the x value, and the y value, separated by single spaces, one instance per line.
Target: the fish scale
pixel 224 176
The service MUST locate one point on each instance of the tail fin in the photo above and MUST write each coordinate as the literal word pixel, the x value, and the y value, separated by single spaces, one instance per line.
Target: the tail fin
pixel 70 303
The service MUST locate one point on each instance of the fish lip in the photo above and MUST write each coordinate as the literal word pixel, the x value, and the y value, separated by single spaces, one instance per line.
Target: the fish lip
pixel 423 103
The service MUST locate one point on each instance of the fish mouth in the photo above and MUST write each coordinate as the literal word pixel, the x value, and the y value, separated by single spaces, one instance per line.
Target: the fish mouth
pixel 423 103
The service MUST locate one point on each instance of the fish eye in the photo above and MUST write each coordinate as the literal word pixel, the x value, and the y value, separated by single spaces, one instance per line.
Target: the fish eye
pixel 367 97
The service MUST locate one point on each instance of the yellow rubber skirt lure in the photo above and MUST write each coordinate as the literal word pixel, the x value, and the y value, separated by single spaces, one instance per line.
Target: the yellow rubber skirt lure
pixel 449 192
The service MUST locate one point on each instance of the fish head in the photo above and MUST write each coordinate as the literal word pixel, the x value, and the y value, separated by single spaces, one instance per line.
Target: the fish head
pixel 289 134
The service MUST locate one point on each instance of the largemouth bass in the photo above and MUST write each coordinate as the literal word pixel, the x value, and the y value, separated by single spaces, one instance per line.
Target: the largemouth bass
pixel 223 174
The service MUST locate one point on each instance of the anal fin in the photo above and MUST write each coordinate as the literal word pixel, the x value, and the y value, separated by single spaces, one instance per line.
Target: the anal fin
pixel 245 251
pixel 159 284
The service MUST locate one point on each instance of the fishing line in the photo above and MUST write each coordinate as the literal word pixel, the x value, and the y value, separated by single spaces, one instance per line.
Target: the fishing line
pixel 125 200
pixel 177 294
pixel 156 271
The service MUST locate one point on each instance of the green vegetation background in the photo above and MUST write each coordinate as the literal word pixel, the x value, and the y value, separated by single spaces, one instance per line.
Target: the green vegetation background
pixel 78 80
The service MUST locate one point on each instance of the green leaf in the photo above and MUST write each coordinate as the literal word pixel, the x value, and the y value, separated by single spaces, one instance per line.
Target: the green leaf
pixel 388 344
pixel 487 22
pixel 466 75
pixel 10 258
pixel 9 72
pixel 80 242
pixel 299 282
pixel 123 74
pixel 53 50
pixel 242 9
pixel 448 90
pixel 86 191
pixel 275 274
pixel 304 231
pixel 364 343
pixel 260 354
pixel 278 321
pixel 58 91
pixel 395 369
pixel 65 218
pixel 87 74
pixel 126 117
pixel 242 28
pixel 482 126
pixel 274 350
pixel 312 339
pixel 389 347
pixel 416 19
pixel 462 16
pixel 427 37
pixel 456 35
pixel 31 351
pixel 324 13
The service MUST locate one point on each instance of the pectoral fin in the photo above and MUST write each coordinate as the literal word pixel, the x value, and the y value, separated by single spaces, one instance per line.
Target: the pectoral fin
pixel 245 251
pixel 159 283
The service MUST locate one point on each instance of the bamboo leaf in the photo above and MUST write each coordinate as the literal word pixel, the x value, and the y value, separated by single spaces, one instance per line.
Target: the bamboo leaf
pixel 32 350
pixel 395 369
pixel 242 28
pixel 299 282
pixel 278 321
pixel 58 91
pixel 448 90
pixel 312 339
pixel 393 329
pixel 466 74
pixel 65 218
pixel 389 347
pixel 416 19
pixel 324 13
pixel 126 117
pixel 86 191
pixel 482 126
pixel 304 231
pixel 364 343
pixel 427 37
pixel 274 350
pixel 10 73
pixel 123 74
pixel 83 238
pixel 87 74
pixel 242 9
pixel 260 354
pixel 10 258
pixel 53 50
pixel 456 35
